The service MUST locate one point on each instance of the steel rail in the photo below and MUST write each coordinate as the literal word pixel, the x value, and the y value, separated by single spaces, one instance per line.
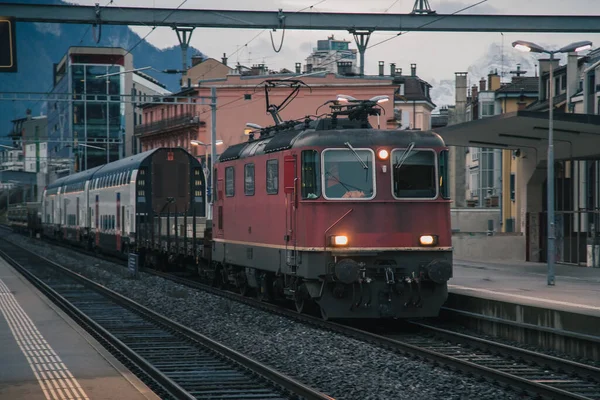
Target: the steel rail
pixel 282 380
pixel 556 363
pixel 109 341
pixel 410 349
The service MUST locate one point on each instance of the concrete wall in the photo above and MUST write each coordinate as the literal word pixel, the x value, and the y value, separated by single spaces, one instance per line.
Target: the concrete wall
pixel 480 247
pixel 474 219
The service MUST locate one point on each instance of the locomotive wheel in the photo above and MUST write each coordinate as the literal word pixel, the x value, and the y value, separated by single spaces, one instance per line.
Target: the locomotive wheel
pixel 264 290
pixel 301 299
pixel 218 278
pixel 244 288
pixel 324 315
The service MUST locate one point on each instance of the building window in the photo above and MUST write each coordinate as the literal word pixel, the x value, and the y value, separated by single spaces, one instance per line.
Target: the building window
pixel 487 109
pixel 474 153
pixel 512 187
pixel 229 182
pixel 272 176
pixel 474 183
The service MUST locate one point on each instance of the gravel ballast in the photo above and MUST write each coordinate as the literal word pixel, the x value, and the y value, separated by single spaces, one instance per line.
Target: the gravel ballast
pixel 342 367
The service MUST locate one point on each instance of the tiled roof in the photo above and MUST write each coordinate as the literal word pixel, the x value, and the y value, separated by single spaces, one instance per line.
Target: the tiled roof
pixel 543 105
pixel 526 83
pixel 438 120
pixel 414 88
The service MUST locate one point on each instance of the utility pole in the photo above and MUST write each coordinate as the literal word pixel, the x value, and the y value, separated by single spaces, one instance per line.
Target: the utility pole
pixel 213 147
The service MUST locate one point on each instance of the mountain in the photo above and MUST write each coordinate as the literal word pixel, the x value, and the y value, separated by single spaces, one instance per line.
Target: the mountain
pixel 39 45
pixel 495 59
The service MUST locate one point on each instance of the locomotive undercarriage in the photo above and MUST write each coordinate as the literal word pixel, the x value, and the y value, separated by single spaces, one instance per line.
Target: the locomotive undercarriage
pixel 392 285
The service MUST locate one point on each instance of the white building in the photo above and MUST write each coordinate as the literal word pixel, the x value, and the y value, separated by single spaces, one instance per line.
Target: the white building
pixel 484 165
pixel 12 160
pixel 143 88
pixel 36 157
pixel 334 56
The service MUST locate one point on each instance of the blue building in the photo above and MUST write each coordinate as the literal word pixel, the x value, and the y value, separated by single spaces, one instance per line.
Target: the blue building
pixel 91 116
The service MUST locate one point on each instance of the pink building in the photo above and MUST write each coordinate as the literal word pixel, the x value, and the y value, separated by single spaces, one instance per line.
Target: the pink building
pixel 241 99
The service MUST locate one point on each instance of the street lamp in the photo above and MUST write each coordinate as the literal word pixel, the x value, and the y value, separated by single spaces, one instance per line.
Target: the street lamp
pixel 534 48
pixel 206 169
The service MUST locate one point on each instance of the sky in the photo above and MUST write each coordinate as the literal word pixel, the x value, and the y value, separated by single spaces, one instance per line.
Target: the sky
pixel 437 55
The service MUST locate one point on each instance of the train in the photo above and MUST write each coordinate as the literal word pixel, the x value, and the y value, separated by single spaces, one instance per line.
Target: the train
pixel 325 212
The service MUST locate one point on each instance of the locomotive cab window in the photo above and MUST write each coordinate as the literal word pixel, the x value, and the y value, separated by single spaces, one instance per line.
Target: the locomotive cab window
pixel 311 171
pixel 229 182
pixel 414 174
pixel 443 175
pixel 348 174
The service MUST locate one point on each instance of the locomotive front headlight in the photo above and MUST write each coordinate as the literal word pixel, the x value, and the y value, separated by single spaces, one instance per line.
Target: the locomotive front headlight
pixel 428 240
pixel 383 154
pixel 339 240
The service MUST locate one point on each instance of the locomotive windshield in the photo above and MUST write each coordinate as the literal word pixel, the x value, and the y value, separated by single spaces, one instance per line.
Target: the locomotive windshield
pixel 414 174
pixel 345 175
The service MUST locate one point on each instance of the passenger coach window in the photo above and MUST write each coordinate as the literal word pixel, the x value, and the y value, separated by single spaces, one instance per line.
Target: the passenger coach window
pixel 414 174
pixel 311 174
pixel 272 176
pixel 229 182
pixel 348 174
pixel 249 179
pixel 443 173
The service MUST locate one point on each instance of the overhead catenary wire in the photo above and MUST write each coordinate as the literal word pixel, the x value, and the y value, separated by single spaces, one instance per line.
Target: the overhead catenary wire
pixel 428 23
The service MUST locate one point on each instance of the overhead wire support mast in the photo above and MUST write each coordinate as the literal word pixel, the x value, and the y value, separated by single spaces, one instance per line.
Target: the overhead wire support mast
pixel 362 41
pixel 194 18
pixel 184 35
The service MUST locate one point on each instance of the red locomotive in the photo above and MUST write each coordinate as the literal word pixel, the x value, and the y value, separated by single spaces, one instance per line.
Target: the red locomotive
pixel 328 211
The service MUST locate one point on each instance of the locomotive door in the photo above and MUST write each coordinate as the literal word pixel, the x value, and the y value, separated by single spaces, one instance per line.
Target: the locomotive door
pixel 290 189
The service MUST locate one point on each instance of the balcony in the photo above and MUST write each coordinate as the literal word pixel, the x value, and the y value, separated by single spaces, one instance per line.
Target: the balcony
pixel 169 124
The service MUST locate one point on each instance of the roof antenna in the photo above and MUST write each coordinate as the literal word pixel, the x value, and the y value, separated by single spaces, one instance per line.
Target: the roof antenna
pixel 502 62
pixel 422 7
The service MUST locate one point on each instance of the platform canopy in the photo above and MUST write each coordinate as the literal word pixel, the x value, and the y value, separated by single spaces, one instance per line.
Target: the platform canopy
pixel 576 136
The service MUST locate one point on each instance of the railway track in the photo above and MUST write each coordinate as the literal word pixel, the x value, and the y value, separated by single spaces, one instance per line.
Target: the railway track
pixel 532 373
pixel 171 359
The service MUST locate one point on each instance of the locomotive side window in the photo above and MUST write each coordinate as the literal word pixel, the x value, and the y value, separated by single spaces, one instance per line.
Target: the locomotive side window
pixel 414 174
pixel 348 174
pixel 272 176
pixel 443 173
pixel 311 172
pixel 229 182
pixel 249 179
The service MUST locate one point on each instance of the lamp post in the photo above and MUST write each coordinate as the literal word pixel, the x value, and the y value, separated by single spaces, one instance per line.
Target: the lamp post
pixel 534 48
pixel 206 169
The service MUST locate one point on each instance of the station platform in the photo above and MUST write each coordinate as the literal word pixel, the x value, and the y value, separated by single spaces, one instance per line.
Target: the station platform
pixel 576 289
pixel 46 355
pixel 568 312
